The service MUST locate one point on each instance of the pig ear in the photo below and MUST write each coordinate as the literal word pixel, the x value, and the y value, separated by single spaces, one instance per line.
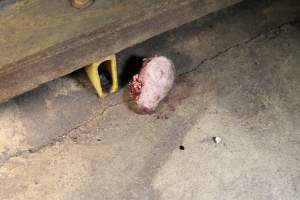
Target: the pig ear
pixel 149 58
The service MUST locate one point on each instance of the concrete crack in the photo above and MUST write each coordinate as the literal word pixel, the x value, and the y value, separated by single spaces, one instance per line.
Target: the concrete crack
pixel 60 138
pixel 270 34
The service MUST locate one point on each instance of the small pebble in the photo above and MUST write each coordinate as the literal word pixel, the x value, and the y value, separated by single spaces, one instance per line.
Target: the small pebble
pixel 217 140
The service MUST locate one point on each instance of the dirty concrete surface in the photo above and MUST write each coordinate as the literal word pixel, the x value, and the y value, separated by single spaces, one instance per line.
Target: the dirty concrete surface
pixel 62 142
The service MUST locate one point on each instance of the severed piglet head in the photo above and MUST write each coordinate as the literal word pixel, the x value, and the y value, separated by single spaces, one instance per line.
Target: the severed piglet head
pixel 153 83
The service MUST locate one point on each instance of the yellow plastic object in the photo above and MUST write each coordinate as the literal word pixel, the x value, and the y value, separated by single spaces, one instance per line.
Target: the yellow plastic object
pixel 92 72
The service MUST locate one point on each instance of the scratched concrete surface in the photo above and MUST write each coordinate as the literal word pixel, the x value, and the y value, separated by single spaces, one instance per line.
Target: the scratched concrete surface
pixel 61 142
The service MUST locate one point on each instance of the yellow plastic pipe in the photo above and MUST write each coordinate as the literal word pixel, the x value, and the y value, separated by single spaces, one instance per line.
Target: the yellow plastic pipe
pixel 92 72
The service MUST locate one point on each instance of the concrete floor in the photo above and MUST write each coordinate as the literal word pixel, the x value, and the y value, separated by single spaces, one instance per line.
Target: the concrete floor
pixel 61 142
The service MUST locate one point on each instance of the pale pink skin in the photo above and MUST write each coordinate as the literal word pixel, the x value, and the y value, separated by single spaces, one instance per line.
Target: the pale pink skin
pixel 157 78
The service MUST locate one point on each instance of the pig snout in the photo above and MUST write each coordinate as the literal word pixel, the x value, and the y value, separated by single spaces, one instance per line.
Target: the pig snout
pixel 145 110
